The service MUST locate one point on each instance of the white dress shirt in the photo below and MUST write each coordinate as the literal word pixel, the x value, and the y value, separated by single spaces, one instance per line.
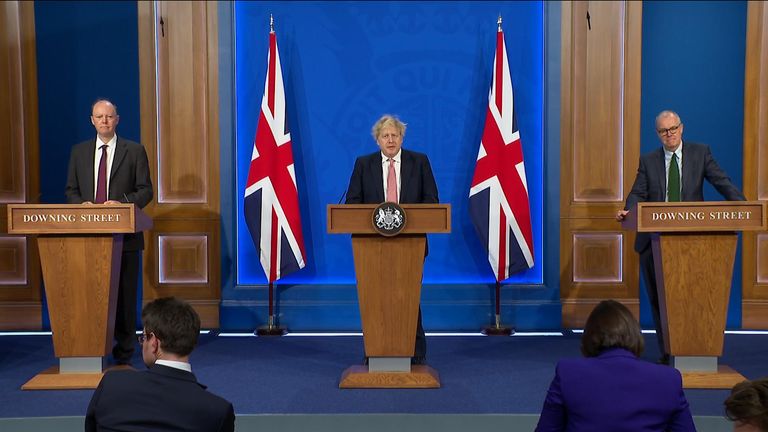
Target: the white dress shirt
pixel 175 364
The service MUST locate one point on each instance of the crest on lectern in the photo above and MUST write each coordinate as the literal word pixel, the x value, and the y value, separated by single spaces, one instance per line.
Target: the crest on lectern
pixel 389 219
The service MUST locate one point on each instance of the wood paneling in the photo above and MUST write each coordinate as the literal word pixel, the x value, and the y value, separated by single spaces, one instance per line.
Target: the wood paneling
pixel 600 143
pixel 20 306
pixel 182 101
pixel 13 260
pixel 597 257
pixel 755 256
pixel 12 166
pixel 178 56
pixel 182 259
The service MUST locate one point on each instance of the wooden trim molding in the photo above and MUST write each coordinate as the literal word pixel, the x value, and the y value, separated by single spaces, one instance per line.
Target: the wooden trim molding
pixel 178 69
pixel 600 79
pixel 754 263
pixel 20 287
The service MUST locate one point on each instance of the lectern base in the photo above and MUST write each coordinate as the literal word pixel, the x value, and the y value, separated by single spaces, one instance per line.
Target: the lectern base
pixel 724 378
pixel 51 379
pixel 420 376
pixel 271 331
pixel 498 331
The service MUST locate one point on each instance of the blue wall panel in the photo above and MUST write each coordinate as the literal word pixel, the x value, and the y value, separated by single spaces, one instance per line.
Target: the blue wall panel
pixel 85 50
pixel 345 64
pixel 693 63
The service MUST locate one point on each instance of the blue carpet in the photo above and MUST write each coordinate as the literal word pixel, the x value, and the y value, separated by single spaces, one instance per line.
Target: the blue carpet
pixel 300 375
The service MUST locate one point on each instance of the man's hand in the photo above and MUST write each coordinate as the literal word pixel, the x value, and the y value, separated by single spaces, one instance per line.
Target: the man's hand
pixel 621 214
pixel 86 202
pixel 112 202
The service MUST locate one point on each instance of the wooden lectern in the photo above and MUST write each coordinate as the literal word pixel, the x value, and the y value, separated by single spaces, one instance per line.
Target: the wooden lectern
pixel 389 272
pixel 80 249
pixel 694 248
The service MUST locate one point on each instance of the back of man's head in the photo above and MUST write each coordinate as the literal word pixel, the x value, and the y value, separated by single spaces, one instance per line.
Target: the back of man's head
pixel 748 405
pixel 174 323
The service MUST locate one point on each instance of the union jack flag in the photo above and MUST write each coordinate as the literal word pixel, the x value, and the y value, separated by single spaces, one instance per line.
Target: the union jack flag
pixel 498 197
pixel 271 203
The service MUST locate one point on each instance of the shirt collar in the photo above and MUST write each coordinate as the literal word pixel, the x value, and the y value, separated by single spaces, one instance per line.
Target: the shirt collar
pixel 175 364
pixel 678 152
pixel 111 144
pixel 397 157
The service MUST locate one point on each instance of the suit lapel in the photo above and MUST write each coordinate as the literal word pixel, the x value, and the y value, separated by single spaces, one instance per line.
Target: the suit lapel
pixel 688 161
pixel 89 190
pixel 120 152
pixel 406 168
pixel 378 178
pixel 662 169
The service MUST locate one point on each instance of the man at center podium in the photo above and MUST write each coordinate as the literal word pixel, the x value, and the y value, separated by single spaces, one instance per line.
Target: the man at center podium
pixel 112 170
pixel 674 172
pixel 396 175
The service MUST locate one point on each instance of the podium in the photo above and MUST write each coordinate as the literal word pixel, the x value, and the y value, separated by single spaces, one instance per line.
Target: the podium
pixel 694 249
pixel 388 270
pixel 80 250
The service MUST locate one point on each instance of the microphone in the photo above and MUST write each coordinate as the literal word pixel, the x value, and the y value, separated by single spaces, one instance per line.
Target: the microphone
pixel 127 201
pixel 342 196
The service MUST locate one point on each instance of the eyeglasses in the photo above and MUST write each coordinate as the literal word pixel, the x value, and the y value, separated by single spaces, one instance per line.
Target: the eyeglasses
pixel 144 337
pixel 669 131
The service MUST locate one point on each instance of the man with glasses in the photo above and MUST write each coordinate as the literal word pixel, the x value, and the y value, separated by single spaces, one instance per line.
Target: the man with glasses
pixel 675 172
pixel 167 396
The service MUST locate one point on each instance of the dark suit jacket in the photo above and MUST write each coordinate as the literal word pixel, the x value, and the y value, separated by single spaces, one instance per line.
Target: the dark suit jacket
pixel 128 181
pixel 159 399
pixel 615 392
pixel 417 183
pixel 698 164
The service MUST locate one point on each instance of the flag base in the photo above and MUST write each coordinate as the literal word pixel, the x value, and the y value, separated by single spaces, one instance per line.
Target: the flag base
pixel 271 331
pixel 498 331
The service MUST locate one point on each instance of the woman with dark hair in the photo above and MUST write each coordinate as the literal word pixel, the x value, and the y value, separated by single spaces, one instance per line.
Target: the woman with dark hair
pixel 747 406
pixel 611 388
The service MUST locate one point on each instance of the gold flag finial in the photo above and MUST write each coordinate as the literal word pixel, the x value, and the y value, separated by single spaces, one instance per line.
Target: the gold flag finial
pixel 499 22
pixel 271 24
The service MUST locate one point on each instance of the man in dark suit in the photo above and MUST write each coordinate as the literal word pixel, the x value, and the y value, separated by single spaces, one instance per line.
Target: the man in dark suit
pixel 167 397
pixel 396 175
pixel 112 170
pixel 675 172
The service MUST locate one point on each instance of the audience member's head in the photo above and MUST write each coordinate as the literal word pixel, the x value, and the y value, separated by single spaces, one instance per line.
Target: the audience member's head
pixel 747 406
pixel 171 328
pixel 611 325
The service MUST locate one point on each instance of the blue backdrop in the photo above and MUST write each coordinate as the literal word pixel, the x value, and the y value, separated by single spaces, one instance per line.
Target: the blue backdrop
pixel 344 65
pixel 693 63
pixel 85 50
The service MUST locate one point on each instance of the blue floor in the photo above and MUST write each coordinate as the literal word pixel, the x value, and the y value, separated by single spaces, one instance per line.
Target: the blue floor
pixel 300 375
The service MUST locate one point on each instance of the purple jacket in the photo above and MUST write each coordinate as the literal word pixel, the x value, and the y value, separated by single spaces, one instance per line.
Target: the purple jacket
pixel 615 391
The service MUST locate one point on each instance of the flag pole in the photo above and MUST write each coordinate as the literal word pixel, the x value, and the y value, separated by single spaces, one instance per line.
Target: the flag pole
pixel 271 329
pixel 497 329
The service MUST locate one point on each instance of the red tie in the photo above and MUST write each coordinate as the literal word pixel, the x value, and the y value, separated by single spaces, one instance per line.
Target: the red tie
pixel 391 182
pixel 101 183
